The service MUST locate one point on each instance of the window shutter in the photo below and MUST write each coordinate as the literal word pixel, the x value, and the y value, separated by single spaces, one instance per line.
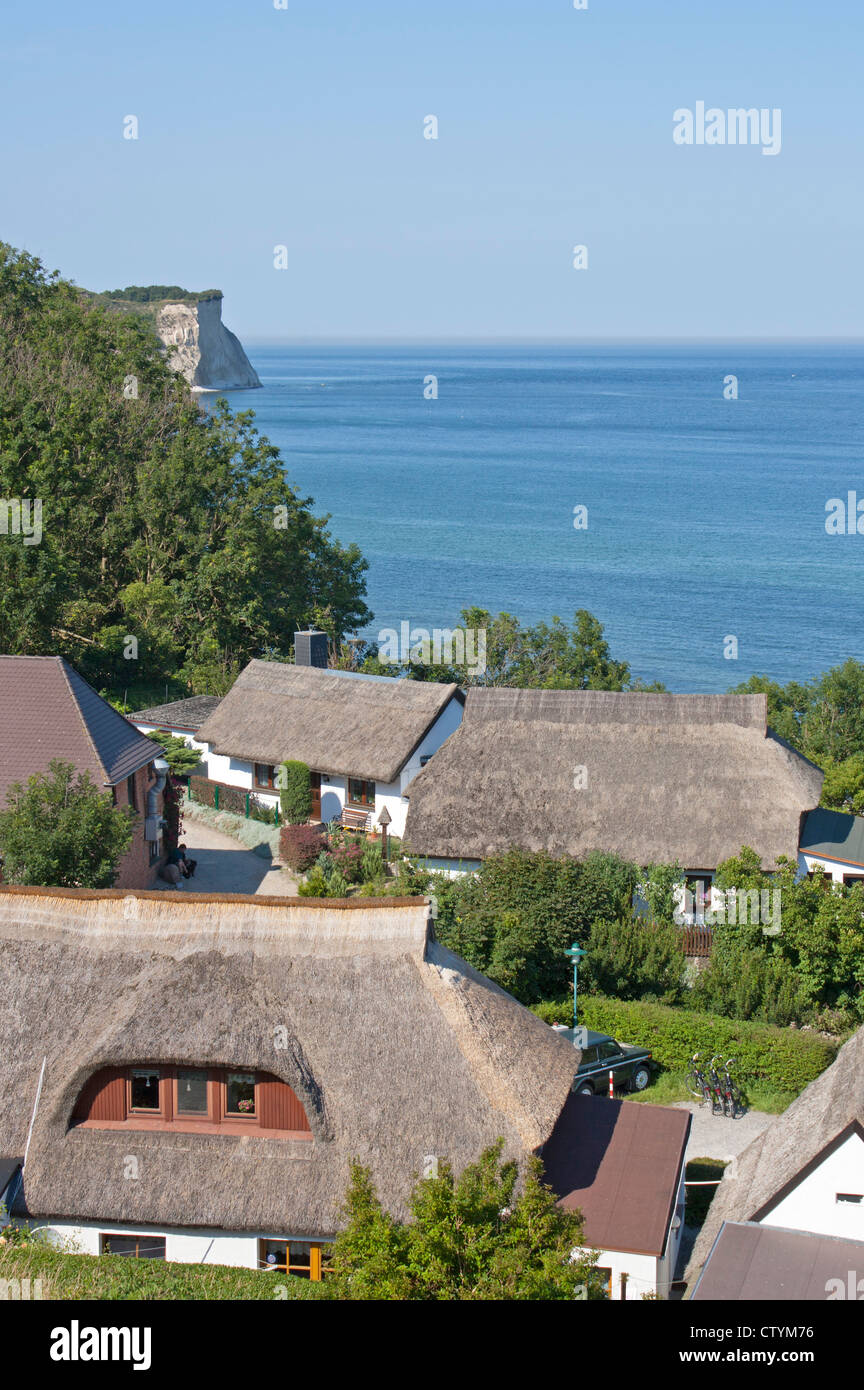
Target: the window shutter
pixel 104 1096
pixel 278 1106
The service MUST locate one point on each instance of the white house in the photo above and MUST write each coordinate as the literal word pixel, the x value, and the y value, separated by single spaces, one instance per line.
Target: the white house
pixel 622 1165
pixel 364 738
pixel 805 1174
pixel 832 844
pixel 182 718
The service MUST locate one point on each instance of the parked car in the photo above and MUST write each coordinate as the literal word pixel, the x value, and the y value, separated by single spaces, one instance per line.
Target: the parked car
pixel 631 1066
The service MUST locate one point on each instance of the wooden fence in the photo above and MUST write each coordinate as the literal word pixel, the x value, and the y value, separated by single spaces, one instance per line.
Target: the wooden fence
pixel 697 940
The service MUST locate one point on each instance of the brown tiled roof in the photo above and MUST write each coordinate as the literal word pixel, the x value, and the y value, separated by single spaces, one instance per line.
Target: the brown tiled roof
pixel 773 1264
pixel 48 711
pixel 620 1163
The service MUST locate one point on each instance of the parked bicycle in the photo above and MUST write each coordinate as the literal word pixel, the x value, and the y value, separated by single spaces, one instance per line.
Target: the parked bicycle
pixel 733 1100
pixel 698 1084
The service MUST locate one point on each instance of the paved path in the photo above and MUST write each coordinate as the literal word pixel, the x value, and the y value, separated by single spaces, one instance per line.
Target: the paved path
pixel 715 1136
pixel 226 866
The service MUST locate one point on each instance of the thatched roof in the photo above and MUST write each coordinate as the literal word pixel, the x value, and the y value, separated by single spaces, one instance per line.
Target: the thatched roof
pixel 48 711
pixel 179 714
pixel 338 722
pixel 761 1176
pixel 396 1048
pixel 686 777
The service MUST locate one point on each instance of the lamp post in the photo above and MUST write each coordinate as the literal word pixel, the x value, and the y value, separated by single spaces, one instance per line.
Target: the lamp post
pixel 575 953
pixel 384 821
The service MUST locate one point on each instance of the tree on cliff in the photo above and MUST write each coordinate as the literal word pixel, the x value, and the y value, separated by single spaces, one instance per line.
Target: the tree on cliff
pixel 171 542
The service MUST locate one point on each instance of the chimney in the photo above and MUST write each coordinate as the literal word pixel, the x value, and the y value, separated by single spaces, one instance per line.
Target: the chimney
pixel 311 649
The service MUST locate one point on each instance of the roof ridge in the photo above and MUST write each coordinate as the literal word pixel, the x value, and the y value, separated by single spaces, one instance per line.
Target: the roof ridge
pixel 66 668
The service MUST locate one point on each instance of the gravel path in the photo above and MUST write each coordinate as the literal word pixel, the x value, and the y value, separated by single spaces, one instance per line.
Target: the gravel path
pixel 715 1136
pixel 225 866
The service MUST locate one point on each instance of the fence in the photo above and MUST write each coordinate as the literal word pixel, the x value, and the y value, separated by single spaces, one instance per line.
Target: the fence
pixel 234 799
pixel 697 940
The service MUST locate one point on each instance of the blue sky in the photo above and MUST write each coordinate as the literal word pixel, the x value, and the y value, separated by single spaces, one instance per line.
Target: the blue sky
pixel 303 126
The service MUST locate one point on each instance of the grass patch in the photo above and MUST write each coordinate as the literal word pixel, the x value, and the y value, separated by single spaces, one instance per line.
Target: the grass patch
pixel 699 1199
pixel 94 1277
pixel 669 1087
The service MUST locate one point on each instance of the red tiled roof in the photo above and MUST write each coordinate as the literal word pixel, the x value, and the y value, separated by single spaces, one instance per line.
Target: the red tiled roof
pixel 620 1162
pixel 48 711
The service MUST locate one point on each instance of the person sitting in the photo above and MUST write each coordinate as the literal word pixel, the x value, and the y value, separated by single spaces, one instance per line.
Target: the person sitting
pixel 179 857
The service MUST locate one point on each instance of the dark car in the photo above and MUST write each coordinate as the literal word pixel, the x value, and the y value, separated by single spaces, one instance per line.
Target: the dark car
pixel 631 1067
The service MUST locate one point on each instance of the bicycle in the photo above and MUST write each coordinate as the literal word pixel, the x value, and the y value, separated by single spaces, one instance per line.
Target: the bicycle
pixel 697 1084
pixel 732 1096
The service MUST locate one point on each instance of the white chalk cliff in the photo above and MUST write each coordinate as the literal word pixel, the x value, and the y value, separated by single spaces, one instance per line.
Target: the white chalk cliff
pixel 202 349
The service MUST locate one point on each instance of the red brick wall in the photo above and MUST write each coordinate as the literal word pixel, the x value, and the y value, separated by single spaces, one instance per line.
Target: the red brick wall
pixel 135 870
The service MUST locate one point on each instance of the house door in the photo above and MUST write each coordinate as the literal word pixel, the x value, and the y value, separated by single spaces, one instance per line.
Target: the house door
pixel 315 787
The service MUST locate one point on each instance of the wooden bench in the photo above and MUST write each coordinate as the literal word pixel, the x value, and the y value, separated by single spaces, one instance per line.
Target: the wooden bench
pixel 353 820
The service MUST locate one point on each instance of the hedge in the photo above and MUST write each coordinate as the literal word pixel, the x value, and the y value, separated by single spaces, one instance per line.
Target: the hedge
pixel 787 1058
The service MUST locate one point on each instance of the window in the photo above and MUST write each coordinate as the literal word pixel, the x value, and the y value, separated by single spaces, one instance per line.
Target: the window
pixel 608 1050
pixel 144 1089
pixel 855 1197
pixel 265 776
pixel 424 759
pixel 851 879
pixel 240 1093
pixel 589 1054
pixel 197 1100
pixel 604 1278
pixel 137 1247
pixel 360 793
pixel 306 1259
pixel 132 792
pixel 191 1091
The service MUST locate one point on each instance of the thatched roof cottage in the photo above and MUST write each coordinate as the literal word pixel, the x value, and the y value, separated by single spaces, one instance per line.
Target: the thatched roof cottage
pixel 655 778
pixel 199 1071
pixel 363 737
pixel 806 1172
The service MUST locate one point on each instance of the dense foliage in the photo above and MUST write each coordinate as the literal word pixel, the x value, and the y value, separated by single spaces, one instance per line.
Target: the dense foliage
pixel 60 830
pixel 149 294
pixel 295 796
pixel 475 1237
pixel 548 656
pixel 172 547
pixel 300 846
pixel 179 755
pixel 811 970
pixel 788 1058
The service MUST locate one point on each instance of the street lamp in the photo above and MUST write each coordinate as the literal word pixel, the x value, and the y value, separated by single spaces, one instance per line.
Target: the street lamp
pixel 575 953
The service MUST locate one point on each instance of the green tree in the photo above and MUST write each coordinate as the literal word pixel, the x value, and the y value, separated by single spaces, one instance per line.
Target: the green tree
pixel 160 521
pixel 180 757
pixel 61 831
pixel 295 794
pixel 481 1236
pixel 633 958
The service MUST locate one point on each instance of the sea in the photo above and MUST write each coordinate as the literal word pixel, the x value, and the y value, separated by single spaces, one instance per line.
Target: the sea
pixel 678 492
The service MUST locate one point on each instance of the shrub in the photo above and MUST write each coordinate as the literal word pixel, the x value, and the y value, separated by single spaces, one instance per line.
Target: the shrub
pixel 633 958
pixel 371 863
pixel 789 1059
pixel 555 1011
pixel 316 884
pixel 337 886
pixel 300 846
pixel 295 796
pixel 348 860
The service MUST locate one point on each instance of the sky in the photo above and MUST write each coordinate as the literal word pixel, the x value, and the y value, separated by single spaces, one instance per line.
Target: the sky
pixel 303 126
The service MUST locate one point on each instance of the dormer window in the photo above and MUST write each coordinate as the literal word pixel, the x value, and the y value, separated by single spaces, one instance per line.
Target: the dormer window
pixel 199 1100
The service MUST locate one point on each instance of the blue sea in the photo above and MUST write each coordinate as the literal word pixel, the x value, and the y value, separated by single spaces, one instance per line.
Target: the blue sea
pixel 705 516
